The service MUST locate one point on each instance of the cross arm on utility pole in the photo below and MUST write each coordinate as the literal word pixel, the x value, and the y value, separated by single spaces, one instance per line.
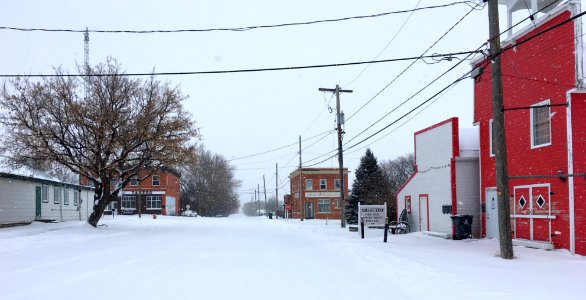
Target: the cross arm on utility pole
pixel 340 121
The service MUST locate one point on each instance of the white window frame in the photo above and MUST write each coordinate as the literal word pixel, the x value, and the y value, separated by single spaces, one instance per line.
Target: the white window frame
pixel 323 204
pixel 45 193
pixel 337 204
pixel 56 195
pixel 158 180
pixel 152 199
pixel 337 184
pixel 325 184
pixel 490 139
pixel 308 184
pixel 133 181
pixel 128 198
pixel 66 196
pixel 75 197
pixel 531 125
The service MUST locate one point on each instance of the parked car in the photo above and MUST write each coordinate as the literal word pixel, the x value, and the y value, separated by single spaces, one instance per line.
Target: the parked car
pixel 189 213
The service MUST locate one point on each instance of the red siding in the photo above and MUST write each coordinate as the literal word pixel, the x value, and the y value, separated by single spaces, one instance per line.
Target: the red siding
pixel 579 151
pixel 541 69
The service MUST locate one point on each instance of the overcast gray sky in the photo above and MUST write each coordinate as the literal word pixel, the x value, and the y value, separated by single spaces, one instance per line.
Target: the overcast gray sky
pixel 248 113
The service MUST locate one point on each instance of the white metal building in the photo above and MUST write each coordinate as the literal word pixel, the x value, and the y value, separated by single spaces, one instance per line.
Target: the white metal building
pixel 26 196
pixel 446 181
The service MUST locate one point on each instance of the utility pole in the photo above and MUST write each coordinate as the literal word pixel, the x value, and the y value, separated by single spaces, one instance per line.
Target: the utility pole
pixel 276 185
pixel 257 204
pixel 258 189
pixel 301 210
pixel 340 121
pixel 264 184
pixel 502 176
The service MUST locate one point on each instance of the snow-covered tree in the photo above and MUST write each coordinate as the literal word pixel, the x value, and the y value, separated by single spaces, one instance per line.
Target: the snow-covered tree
pixel 209 185
pixel 123 126
pixel 397 171
pixel 369 187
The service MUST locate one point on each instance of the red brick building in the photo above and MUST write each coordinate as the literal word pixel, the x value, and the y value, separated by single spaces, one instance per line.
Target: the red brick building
pixel 319 195
pixel 545 123
pixel 156 194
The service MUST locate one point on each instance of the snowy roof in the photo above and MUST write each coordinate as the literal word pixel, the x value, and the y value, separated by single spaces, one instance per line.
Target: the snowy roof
pixel 28 172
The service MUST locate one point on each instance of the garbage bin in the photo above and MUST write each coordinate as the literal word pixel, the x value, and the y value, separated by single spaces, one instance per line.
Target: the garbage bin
pixel 270 215
pixel 462 227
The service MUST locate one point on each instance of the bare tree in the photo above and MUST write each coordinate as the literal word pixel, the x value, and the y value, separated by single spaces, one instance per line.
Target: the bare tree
pixel 123 126
pixel 397 171
pixel 209 185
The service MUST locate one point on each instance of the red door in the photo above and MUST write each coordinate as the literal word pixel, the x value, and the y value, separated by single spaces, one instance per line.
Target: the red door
pixel 522 212
pixel 540 213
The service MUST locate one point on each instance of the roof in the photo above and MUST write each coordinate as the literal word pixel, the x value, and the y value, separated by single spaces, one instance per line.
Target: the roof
pixel 32 175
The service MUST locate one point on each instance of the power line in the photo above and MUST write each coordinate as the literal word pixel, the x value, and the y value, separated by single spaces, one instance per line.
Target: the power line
pixel 278 148
pixel 238 29
pixel 386 46
pixel 414 61
pixel 242 70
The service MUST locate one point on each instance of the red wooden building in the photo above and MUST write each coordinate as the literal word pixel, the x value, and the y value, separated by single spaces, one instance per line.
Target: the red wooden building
pixel 156 194
pixel 545 123
pixel 319 196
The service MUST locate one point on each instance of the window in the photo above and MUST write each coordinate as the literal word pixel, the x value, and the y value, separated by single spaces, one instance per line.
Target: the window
pixel 56 195
pixel 66 196
pixel 337 184
pixel 323 206
pixel 309 184
pixel 133 181
pixel 128 202
pixel 45 194
pixel 113 181
pixel 540 125
pixel 112 205
pixel 408 204
pixel 323 184
pixel 490 139
pixel 75 197
pixel 153 202
pixel 337 203
pixel 156 180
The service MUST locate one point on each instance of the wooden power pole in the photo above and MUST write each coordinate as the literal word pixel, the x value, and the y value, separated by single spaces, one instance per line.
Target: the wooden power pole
pixel 502 179
pixel 277 186
pixel 264 185
pixel 339 122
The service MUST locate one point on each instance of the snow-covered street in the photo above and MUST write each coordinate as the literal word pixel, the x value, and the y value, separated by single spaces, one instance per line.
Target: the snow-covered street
pixel 258 258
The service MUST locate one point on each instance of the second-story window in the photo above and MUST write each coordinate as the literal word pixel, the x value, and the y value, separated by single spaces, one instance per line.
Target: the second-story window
pixel 337 184
pixel 309 184
pixel 540 125
pixel 323 184
pixel 156 180
pixel 133 181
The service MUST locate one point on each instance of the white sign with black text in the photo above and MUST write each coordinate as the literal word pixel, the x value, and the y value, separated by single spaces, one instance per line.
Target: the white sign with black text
pixel 372 215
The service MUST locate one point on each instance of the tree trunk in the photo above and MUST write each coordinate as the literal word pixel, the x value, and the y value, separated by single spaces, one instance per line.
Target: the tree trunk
pixel 98 211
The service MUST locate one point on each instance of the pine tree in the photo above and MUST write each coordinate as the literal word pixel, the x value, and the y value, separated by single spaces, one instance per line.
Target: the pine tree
pixel 370 187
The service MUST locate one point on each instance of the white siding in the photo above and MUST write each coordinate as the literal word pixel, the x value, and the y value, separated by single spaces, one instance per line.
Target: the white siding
pixel 17 201
pixel 467 187
pixel 433 154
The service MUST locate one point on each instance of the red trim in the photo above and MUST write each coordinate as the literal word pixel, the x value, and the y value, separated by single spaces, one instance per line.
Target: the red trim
pixel 453 120
pixel 453 183
pixel 407 208
pixel 455 138
pixel 426 207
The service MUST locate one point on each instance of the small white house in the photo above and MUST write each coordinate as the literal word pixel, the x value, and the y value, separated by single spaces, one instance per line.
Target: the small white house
pixel 446 180
pixel 26 196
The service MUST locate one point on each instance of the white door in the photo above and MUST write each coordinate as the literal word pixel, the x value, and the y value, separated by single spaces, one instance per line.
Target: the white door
pixel 492 214
pixel 170 206
pixel 423 213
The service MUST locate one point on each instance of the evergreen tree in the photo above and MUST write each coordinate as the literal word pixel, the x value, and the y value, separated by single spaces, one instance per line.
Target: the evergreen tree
pixel 370 187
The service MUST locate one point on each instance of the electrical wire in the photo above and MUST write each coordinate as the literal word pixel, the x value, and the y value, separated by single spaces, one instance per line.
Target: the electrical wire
pixel 236 29
pixel 239 70
pixel 414 61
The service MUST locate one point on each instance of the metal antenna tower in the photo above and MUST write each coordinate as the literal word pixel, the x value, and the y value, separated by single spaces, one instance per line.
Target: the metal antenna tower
pixel 86 60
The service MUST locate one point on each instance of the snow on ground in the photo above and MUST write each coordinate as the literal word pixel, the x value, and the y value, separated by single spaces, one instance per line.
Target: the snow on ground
pixel 258 258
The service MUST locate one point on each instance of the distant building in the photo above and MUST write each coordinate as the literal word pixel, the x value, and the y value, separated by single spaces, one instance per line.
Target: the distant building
pixel 318 197
pixel 26 196
pixel 156 194
pixel 446 180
